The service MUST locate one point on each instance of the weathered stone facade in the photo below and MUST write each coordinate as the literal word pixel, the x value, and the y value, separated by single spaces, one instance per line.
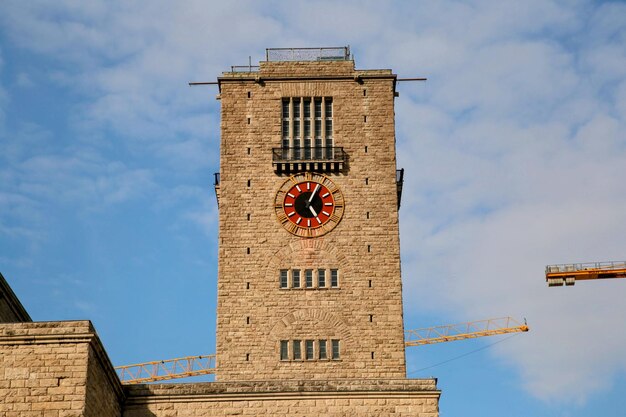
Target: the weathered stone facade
pixel 365 312
pixel 59 369
pixel 286 398
pixel 56 369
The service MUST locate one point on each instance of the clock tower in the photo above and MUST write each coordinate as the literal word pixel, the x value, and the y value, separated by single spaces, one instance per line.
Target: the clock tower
pixel 309 283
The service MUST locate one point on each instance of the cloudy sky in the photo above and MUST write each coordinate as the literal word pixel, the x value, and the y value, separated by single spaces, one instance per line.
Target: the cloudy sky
pixel 514 150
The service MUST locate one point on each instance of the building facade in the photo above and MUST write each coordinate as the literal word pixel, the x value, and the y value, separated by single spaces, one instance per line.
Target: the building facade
pixel 309 318
pixel 309 291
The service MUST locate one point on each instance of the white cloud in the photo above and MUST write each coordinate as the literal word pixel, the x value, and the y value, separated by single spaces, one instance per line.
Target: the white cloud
pixel 515 144
pixel 517 161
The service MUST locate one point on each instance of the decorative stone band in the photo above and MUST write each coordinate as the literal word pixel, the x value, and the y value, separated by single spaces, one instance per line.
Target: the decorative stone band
pixel 283 390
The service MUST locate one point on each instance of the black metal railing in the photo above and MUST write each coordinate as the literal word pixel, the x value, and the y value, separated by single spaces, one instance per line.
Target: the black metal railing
pixel 318 154
pixel 399 183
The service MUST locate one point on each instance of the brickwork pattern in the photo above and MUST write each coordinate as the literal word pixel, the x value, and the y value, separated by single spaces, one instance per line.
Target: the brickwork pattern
pixel 364 245
pixel 60 369
pixel 284 398
pixel 44 371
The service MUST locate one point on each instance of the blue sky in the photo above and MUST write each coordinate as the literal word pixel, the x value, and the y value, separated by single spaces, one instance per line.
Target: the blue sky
pixel 515 157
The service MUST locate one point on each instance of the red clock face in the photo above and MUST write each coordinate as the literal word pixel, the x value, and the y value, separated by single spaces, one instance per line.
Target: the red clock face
pixel 309 204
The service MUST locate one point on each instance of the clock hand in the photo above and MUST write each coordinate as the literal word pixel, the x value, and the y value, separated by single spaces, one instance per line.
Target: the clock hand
pixel 317 187
pixel 313 211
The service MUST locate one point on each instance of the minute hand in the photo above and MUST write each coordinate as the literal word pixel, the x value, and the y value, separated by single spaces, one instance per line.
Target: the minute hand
pixel 317 187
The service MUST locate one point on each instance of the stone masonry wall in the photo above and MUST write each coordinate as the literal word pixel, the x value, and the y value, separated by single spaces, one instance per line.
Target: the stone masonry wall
pixel 415 398
pixel 44 370
pixel 104 394
pixel 253 313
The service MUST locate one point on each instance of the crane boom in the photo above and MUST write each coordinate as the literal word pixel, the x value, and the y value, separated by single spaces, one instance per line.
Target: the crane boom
pixel 205 364
pixel 468 330
pixel 166 369
pixel 568 274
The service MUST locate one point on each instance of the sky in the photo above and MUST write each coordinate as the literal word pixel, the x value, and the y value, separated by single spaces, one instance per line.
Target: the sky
pixel 514 153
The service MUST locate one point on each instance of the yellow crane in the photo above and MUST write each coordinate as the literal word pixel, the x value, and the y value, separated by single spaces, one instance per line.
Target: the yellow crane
pixel 468 330
pixel 166 369
pixel 568 274
pixel 205 364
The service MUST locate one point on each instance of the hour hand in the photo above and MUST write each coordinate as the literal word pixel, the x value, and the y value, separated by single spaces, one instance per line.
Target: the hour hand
pixel 313 211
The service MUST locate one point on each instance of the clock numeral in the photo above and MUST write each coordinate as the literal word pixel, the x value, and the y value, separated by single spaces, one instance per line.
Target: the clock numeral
pixel 328 197
pixel 292 228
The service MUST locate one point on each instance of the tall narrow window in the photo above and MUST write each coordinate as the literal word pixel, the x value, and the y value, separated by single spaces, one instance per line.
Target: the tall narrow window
pixel 307 128
pixel 297 134
pixel 284 278
pixel 286 133
pixel 309 349
pixel 322 349
pixel 321 278
pixel 328 126
pixel 335 346
pixel 297 350
pixel 318 128
pixel 295 278
pixel 284 350
pixel 334 278
pixel 308 276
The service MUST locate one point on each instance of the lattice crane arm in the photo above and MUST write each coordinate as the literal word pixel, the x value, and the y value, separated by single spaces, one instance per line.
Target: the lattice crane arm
pixel 166 369
pixel 468 330
pixel 568 274
pixel 205 364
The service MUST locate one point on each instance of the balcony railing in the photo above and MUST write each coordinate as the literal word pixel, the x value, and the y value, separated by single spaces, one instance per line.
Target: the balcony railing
pixel 322 159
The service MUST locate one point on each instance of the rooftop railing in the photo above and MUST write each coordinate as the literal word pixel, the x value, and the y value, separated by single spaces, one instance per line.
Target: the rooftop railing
pixel 341 53
pixel 244 68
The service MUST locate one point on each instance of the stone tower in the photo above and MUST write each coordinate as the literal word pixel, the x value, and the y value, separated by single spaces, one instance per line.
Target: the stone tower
pixel 309 281
pixel 309 292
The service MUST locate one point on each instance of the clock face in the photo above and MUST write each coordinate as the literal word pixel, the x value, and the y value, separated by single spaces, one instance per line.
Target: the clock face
pixel 309 205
